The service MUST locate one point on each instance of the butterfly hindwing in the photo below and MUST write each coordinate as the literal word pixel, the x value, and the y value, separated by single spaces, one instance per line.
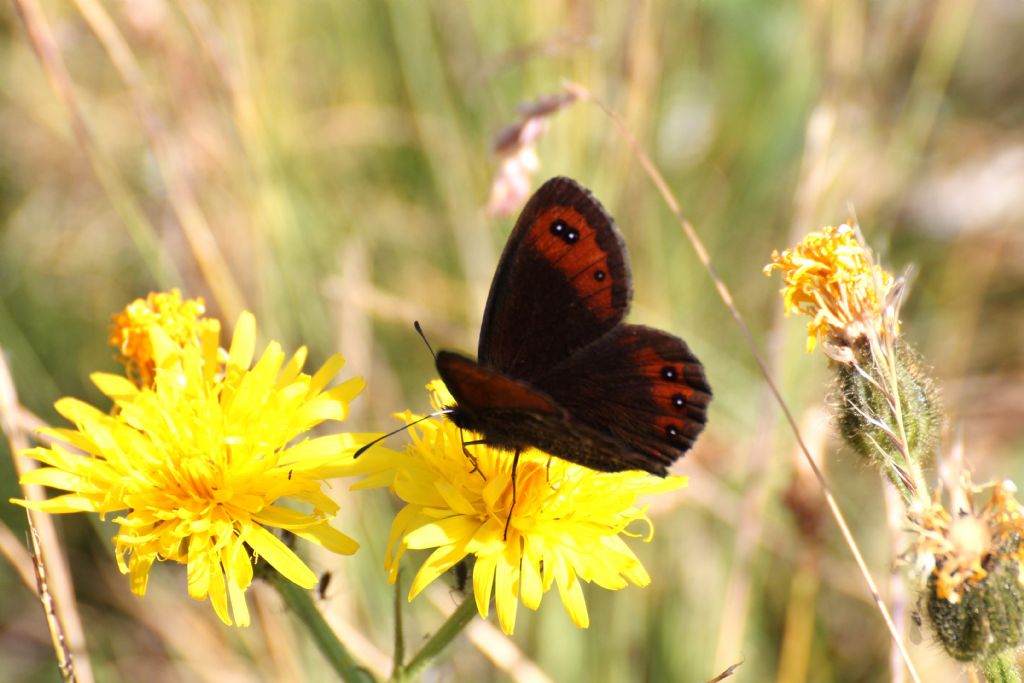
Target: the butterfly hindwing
pixel 641 388
pixel 562 282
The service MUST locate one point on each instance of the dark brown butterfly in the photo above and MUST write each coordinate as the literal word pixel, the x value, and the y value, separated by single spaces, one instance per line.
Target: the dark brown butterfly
pixel 557 368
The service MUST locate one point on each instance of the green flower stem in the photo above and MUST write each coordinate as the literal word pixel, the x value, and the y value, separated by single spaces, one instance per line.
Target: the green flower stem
pixel 1002 668
pixel 399 656
pixel 462 615
pixel 300 601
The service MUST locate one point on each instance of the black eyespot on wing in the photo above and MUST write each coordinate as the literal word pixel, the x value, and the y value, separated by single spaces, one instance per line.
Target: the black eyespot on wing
pixel 547 301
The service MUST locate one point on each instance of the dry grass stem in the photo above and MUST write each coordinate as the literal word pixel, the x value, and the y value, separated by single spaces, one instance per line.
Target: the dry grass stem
pixel 18 557
pixel 65 662
pixel 52 573
pixel 895 517
pixel 726 674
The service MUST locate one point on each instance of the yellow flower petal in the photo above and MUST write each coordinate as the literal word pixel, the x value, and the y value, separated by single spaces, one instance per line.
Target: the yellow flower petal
pixel 218 597
pixel 483 582
pixel 575 605
pixel 331 367
pixel 531 588
pixel 506 593
pixel 442 532
pixel 243 344
pixel 114 386
pixel 440 561
pixel 328 537
pixel 280 557
pixel 60 504
pixel 55 478
pixel 139 576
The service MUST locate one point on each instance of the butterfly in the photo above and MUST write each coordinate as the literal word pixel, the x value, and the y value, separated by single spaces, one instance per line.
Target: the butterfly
pixel 557 368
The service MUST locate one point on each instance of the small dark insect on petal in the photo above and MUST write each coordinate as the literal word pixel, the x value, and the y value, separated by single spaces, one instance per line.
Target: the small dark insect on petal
pixel 321 588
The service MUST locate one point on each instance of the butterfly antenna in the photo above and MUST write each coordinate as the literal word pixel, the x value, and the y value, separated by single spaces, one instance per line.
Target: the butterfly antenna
pixel 376 441
pixel 419 331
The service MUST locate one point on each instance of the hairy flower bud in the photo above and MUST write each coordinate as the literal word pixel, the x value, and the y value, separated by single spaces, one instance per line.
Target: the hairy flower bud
pixel 867 410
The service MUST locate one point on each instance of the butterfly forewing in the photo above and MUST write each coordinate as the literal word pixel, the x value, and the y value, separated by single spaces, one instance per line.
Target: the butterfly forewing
pixel 563 281
pixel 473 385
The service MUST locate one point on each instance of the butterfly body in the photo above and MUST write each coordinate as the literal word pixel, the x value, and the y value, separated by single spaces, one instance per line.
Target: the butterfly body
pixel 557 368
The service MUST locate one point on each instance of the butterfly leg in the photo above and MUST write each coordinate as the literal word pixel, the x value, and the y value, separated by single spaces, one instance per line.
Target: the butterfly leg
pixel 470 456
pixel 548 472
pixel 508 520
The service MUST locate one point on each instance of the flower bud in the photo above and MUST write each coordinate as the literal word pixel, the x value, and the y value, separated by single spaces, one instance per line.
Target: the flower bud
pixel 866 412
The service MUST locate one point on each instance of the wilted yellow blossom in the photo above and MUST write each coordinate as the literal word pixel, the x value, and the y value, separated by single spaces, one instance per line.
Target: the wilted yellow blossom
pixel 955 547
pixel 829 277
pixel 181 321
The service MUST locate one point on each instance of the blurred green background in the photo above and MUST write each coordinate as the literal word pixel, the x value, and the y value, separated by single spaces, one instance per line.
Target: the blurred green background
pixel 327 164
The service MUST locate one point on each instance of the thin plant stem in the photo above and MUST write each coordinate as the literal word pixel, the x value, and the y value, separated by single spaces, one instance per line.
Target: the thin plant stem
pixel 895 517
pixel 20 559
pixel 52 572
pixel 65 662
pixel 723 291
pixel 300 602
pixel 458 620
pixel 399 655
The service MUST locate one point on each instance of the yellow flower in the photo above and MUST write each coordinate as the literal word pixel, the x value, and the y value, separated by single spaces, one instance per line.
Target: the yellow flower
pixel 829 276
pixel 566 525
pixel 181 321
pixel 199 464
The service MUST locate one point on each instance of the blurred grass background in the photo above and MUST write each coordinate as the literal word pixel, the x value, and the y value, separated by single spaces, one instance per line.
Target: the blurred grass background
pixel 326 164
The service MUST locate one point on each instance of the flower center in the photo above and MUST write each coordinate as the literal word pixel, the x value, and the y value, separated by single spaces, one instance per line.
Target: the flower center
pixel 200 477
pixel 532 487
